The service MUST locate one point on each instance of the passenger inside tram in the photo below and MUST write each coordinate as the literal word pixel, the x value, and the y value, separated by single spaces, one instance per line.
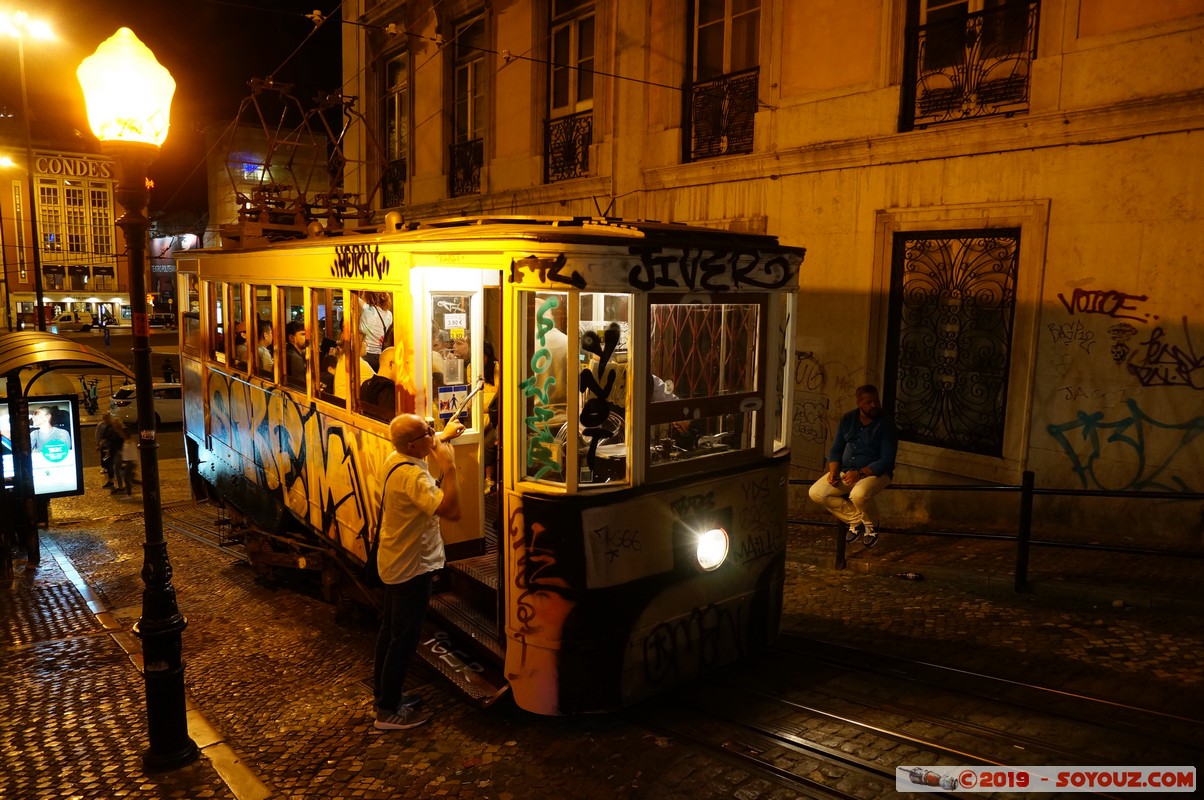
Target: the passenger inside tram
pixel 378 394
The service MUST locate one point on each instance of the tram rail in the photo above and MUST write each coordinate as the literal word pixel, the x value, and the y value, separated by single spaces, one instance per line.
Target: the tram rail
pixel 205 523
pixel 826 721
pixel 1159 725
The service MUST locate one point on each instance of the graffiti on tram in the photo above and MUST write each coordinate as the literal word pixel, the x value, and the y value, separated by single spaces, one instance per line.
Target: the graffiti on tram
pixel 318 468
pixel 688 269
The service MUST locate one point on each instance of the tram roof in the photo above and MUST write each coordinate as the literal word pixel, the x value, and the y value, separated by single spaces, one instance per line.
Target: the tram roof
pixel 582 230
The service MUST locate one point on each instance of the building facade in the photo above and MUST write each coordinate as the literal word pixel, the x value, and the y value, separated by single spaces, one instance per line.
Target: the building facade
pixel 1000 200
pixel 78 240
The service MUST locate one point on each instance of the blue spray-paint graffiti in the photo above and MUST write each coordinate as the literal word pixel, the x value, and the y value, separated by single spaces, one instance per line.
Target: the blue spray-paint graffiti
pixel 1133 453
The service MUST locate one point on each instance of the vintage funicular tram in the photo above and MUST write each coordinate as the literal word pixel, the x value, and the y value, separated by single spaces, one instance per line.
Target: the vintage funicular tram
pixel 626 392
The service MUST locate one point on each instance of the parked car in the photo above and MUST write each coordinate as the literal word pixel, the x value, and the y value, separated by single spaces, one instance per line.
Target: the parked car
pixel 169 404
pixel 161 319
pixel 74 320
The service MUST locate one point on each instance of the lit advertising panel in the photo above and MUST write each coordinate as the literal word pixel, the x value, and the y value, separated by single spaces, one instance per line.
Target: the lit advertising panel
pixel 58 465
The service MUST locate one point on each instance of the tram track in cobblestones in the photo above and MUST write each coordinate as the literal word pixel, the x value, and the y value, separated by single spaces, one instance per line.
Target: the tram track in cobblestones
pixel 1124 718
pixel 204 523
pixel 832 722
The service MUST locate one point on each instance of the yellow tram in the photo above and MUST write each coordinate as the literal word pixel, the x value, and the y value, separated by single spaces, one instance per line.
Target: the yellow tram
pixel 626 392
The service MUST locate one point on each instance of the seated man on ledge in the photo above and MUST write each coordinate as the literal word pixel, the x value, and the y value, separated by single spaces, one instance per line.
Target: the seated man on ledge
pixel 860 465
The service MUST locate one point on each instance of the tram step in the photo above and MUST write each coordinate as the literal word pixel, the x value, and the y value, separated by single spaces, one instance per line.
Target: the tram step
pixel 480 632
pixel 475 580
pixel 482 682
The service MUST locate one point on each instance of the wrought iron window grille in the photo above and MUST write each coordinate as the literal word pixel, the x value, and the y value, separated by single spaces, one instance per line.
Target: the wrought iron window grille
pixel 568 142
pixel 952 306
pixel 721 112
pixel 974 66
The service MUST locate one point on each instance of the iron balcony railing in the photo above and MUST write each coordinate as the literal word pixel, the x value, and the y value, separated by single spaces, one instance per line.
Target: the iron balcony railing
pixel 721 113
pixel 465 175
pixel 568 141
pixel 977 65
pixel 393 184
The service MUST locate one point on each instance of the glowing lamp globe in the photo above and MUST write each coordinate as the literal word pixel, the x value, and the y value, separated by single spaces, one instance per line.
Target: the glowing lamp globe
pixel 127 91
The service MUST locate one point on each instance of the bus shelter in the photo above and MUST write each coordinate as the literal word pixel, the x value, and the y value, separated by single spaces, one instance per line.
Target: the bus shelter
pixel 41 457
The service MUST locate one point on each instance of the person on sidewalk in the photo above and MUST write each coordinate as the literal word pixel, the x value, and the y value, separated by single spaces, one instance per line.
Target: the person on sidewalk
pixel 114 440
pixel 104 445
pixel 860 465
pixel 409 553
pixel 129 460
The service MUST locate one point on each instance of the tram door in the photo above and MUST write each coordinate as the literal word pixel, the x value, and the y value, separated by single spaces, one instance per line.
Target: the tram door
pixel 458 330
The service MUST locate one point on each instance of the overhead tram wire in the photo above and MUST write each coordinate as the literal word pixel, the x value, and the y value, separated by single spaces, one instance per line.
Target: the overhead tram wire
pixel 505 53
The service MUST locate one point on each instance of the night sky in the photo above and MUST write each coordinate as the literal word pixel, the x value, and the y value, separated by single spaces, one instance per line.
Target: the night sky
pixel 211 47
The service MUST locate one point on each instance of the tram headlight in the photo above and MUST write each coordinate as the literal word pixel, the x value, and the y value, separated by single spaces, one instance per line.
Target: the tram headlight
pixel 712 548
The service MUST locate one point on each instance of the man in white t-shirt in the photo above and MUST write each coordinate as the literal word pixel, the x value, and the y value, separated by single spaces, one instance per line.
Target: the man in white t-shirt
pixel 409 553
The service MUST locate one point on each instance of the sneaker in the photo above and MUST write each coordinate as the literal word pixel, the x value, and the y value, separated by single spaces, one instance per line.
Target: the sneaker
pixel 407 701
pixel 403 719
pixel 108 485
pixel 871 536
pixel 854 532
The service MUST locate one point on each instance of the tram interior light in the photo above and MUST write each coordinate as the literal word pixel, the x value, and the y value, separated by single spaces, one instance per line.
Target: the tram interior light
pixel 712 548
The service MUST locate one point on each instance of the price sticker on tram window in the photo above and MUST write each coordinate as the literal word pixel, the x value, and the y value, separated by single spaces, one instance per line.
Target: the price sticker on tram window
pixel 454 322
pixel 1045 779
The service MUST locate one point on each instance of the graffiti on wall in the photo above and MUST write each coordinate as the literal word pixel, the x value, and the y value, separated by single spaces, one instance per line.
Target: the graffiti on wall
pixel 1163 361
pixel 1108 302
pixel 1072 333
pixel 1133 452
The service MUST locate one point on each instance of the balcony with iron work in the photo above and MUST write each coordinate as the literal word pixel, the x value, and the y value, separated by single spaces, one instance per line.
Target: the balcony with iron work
pixel 464 177
pixel 568 142
pixel 977 65
pixel 721 113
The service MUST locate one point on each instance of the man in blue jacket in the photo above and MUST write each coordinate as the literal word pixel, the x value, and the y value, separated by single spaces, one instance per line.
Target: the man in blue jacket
pixel 860 465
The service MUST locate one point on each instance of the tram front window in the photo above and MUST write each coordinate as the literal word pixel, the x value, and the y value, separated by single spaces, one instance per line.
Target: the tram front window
pixel 602 442
pixel 703 387
pixel 544 374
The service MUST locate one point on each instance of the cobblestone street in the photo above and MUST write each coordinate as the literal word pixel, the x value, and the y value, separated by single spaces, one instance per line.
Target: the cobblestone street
pixel 282 707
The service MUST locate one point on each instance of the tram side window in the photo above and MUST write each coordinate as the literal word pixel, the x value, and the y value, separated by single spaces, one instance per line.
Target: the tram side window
pixel 238 342
pixel 703 384
pixel 191 319
pixel 328 306
pixel 217 321
pixel 362 377
pixel 294 346
pixel 262 338
pixel 602 382
pixel 543 375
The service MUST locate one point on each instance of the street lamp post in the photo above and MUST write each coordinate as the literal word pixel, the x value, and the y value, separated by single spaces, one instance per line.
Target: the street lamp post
pixel 20 25
pixel 128 96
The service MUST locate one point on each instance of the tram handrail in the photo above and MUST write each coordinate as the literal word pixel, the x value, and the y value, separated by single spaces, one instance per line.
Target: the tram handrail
pixel 1023 536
